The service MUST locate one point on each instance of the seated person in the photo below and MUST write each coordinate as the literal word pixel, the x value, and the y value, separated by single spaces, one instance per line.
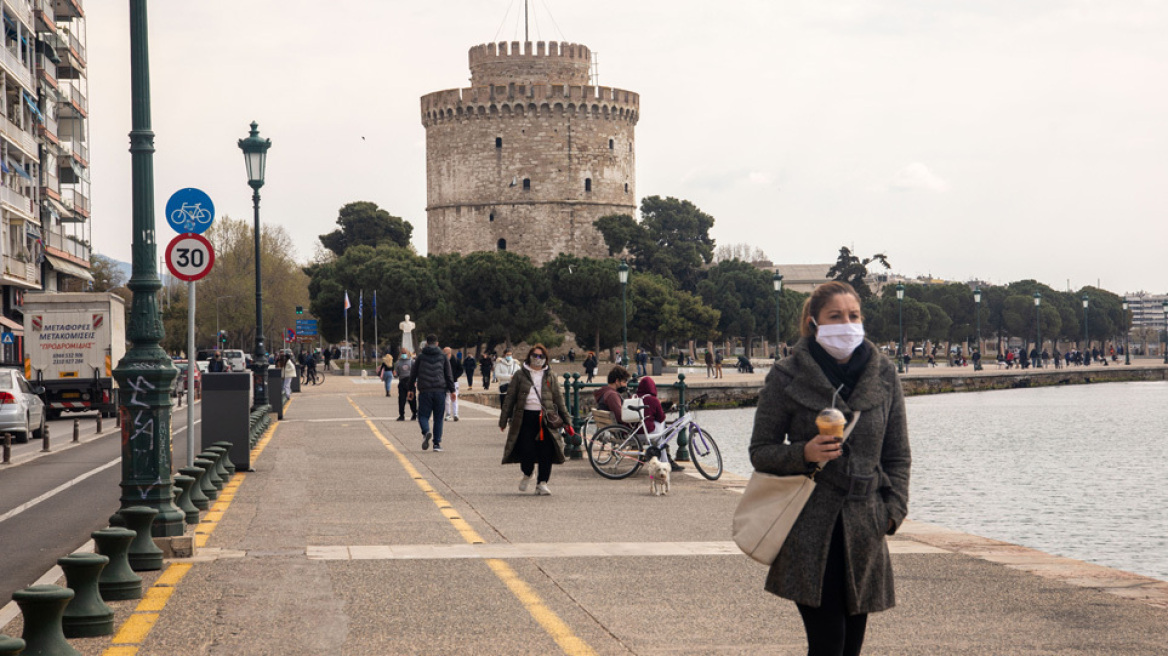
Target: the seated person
pixel 655 419
pixel 609 397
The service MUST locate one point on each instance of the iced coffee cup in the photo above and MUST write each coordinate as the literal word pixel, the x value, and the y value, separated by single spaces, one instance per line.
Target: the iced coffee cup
pixel 831 422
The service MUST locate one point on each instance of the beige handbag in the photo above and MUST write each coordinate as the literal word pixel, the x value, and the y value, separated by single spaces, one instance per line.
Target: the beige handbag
pixel 770 506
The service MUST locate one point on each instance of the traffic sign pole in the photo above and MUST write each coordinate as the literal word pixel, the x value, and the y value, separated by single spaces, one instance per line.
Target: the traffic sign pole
pixel 191 367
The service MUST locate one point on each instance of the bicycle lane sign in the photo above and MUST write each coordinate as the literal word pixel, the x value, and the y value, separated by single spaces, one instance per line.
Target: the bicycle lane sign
pixel 190 211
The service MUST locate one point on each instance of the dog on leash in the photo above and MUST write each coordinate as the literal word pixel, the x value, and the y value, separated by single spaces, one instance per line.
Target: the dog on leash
pixel 658 477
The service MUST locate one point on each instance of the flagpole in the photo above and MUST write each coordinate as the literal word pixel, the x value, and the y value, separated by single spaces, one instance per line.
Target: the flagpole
pixel 347 345
pixel 376 344
pixel 361 325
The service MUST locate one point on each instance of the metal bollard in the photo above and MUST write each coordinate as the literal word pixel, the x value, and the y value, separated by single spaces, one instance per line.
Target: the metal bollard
pixel 99 422
pixel 10 646
pixel 87 615
pixel 7 448
pixel 117 581
pixel 42 607
pixel 76 430
pixel 45 440
pixel 144 555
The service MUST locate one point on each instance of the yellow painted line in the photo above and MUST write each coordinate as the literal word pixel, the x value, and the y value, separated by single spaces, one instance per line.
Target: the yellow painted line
pixel 134 631
pixel 136 628
pixel 559 630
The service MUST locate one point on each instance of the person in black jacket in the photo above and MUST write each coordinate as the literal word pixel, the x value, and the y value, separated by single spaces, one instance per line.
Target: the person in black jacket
pixel 486 368
pixel 468 367
pixel 430 381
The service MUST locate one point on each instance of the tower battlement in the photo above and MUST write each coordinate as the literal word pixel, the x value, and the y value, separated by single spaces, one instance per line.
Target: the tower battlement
pixel 529 62
pixel 531 100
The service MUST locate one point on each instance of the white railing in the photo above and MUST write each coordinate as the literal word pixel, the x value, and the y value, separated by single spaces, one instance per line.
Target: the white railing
pixel 47 65
pixel 76 148
pixel 16 199
pixel 24 270
pixel 68 244
pixel 19 136
pixel 46 8
pixel 75 44
pixel 51 125
pixel 75 201
pixel 16 68
pixel 22 10
pixel 71 92
pixel 51 181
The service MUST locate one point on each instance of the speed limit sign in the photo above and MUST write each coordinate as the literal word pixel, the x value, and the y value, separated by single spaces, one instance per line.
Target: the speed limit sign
pixel 189 257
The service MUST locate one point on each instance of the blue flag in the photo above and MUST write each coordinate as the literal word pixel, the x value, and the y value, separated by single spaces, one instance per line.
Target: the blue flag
pixel 361 305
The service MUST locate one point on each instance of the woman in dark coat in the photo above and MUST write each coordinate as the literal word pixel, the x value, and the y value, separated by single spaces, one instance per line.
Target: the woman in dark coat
pixel 834 564
pixel 533 396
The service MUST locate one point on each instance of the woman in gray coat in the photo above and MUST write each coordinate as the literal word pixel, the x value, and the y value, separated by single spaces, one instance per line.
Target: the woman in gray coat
pixel 532 397
pixel 834 564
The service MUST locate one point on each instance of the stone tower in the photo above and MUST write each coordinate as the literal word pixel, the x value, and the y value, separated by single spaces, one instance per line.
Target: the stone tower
pixel 529 156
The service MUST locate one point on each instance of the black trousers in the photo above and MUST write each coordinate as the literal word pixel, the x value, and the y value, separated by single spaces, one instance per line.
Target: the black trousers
pixel 830 630
pixel 533 450
pixel 487 381
pixel 402 393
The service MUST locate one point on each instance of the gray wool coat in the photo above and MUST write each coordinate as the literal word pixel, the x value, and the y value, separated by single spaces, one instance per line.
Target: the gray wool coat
pixel 796 390
pixel 552 400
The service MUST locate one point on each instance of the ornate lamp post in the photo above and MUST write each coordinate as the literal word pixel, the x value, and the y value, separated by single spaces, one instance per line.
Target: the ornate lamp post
pixel 977 306
pixel 778 280
pixel 255 154
pixel 900 331
pixel 1165 332
pixel 1126 331
pixel 145 375
pixel 1038 327
pixel 1086 331
pixel 624 281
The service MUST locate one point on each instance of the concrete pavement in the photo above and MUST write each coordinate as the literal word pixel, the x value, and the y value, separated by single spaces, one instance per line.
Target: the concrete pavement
pixel 349 539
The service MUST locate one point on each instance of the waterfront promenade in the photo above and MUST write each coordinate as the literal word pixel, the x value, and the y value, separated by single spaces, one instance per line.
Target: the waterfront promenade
pixel 349 539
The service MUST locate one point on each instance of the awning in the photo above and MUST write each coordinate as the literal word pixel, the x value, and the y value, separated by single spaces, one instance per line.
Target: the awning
pixel 19 169
pixel 31 102
pixel 15 327
pixel 68 268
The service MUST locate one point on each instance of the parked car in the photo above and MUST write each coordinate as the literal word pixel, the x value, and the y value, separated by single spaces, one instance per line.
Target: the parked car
pixel 235 360
pixel 22 411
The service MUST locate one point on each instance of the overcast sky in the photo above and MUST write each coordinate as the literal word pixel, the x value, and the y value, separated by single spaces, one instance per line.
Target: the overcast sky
pixel 994 139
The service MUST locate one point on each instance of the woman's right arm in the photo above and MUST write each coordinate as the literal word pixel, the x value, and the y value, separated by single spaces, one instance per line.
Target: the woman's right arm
pixel 772 422
pixel 508 403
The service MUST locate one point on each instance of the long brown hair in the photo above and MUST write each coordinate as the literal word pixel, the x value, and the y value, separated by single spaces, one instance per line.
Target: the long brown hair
pixel 818 299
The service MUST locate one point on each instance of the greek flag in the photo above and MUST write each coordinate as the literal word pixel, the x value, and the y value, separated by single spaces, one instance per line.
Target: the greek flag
pixel 361 305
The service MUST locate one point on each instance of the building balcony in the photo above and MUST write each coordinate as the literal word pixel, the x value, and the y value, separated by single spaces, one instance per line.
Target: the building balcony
pixel 68 245
pixel 22 138
pixel 21 9
pixel 68 9
pixel 21 270
pixel 16 200
pixel 77 202
pixel 11 63
pixel 77 150
pixel 72 96
pixel 68 40
pixel 48 130
pixel 46 69
pixel 50 185
pixel 46 16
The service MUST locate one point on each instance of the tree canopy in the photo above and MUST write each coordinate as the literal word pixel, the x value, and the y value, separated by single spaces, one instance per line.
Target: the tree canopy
pixel 851 269
pixel 586 295
pixel 672 240
pixel 365 224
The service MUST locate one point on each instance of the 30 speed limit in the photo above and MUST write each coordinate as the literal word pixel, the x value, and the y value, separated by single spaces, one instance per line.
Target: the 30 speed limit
pixel 189 257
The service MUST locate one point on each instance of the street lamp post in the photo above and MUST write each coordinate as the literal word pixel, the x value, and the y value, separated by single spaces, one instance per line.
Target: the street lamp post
pixel 778 280
pixel 255 155
pixel 145 374
pixel 977 305
pixel 900 331
pixel 1126 330
pixel 1086 331
pixel 624 281
pixel 1038 328
pixel 1165 332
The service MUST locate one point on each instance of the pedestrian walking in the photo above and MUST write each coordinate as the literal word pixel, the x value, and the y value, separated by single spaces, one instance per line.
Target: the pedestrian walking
pixel 505 370
pixel 532 407
pixel 571 355
pixel 709 363
pixel 468 367
pixel 717 364
pixel 216 365
pixel 287 373
pixel 385 371
pixel 452 397
pixel 328 357
pixel 431 380
pixel 402 369
pixel 486 368
pixel 590 364
pixel 834 563
pixel 642 359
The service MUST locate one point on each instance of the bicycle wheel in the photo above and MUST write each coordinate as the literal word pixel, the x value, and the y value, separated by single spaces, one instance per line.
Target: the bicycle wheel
pixel 614 452
pixel 704 453
pixel 587 430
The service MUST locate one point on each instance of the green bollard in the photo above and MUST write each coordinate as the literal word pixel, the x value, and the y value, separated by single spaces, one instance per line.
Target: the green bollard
pixel 571 442
pixel 227 464
pixel 220 468
pixel 198 499
pixel 117 581
pixel 213 472
pixel 184 484
pixel 10 646
pixel 87 615
pixel 42 606
pixel 205 483
pixel 682 454
pixel 144 555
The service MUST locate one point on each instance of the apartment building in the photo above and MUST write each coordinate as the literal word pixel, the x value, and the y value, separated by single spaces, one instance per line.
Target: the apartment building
pixel 45 228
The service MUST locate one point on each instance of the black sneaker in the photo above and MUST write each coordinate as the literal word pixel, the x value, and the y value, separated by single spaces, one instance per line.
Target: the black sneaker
pixel 673 466
pixel 437 447
pixel 426 440
pixel 401 418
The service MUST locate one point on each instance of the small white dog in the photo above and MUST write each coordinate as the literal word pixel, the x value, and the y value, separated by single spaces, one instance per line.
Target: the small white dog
pixel 658 477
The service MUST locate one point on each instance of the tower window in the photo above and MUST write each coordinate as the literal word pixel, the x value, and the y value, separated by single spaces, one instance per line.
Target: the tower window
pixel 626 187
pixel 526 184
pixel 492 217
pixel 501 244
pixel 587 184
pixel 611 143
pixel 498 142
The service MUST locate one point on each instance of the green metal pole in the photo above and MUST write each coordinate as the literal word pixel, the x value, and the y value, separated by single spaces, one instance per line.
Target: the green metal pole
pixel 778 326
pixel 145 373
pixel 900 336
pixel 624 324
pixel 979 334
pixel 682 408
pixel 259 355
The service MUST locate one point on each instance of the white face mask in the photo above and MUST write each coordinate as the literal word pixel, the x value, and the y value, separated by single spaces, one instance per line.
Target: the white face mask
pixel 840 340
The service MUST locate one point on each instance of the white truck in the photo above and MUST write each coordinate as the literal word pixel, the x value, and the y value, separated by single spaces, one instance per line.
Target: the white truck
pixel 72 343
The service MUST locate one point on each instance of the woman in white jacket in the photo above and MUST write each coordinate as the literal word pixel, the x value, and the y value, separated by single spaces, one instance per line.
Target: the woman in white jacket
pixel 289 373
